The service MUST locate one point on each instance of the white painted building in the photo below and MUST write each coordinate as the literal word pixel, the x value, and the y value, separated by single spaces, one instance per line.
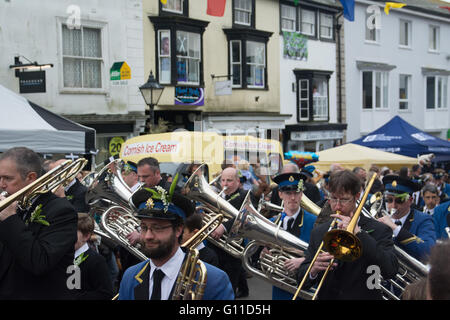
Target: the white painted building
pixel 82 39
pixel 402 68
pixel 308 74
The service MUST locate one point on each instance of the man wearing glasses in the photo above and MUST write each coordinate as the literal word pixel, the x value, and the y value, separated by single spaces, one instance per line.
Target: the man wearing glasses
pixel 413 231
pixel 349 280
pixel 162 222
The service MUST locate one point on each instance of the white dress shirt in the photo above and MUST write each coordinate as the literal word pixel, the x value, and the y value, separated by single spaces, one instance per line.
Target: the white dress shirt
pixel 171 269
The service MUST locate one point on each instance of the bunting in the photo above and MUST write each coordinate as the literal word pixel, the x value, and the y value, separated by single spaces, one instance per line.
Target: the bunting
pixel 164 1
pixel 215 8
pixel 390 5
pixel 349 9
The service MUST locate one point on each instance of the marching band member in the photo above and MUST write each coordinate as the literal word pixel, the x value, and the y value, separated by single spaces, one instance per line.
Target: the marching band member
pixel 36 243
pixel 349 280
pixel 293 219
pixel 413 231
pixel 441 219
pixel 162 221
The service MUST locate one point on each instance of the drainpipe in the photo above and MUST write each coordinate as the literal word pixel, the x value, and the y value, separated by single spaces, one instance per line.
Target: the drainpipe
pixel 339 72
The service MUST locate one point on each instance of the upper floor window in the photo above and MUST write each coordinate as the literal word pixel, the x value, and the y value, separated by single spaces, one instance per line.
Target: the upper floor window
pixel 314 23
pixel 243 12
pixel 375 89
pixel 82 57
pixel 404 92
pixel 436 92
pixel 405 35
pixel 288 18
pixel 372 32
pixel 326 26
pixel 174 6
pixel 433 43
pixel 308 22
pixel 312 95
pixel 179 50
pixel 247 57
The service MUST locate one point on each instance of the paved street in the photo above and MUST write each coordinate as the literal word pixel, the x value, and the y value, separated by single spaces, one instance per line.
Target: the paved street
pixel 258 289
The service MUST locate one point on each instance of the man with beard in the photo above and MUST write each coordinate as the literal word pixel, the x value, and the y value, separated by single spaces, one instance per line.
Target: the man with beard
pixel 162 225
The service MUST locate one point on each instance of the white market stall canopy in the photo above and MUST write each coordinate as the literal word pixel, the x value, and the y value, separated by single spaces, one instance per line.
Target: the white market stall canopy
pixel 353 155
pixel 25 124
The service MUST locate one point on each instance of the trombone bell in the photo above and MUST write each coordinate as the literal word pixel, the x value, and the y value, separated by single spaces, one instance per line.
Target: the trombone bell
pixel 343 245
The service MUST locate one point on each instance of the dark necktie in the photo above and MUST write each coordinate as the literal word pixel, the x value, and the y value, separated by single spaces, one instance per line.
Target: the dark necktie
pixel 398 222
pixel 290 223
pixel 158 275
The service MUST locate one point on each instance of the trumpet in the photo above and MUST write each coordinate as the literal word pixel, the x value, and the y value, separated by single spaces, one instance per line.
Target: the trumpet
pixel 49 182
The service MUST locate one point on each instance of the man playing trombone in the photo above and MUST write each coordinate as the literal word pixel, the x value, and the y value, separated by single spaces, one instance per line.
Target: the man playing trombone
pixel 357 279
pixel 37 239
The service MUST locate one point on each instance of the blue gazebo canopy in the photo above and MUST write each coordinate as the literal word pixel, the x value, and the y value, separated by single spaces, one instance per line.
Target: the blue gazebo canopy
pixel 398 136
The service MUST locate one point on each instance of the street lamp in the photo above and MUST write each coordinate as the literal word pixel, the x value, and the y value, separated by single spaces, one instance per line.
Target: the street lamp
pixel 151 91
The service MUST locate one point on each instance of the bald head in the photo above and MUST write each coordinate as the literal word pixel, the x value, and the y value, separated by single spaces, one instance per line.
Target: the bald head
pixel 230 180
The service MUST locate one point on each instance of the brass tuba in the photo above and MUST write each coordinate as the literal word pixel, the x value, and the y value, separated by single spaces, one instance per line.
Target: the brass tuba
pixel 212 204
pixel 191 281
pixel 49 182
pixel 109 199
pixel 282 245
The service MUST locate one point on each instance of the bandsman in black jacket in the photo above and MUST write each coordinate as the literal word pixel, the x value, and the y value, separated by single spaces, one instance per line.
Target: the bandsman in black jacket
pixel 356 279
pixel 37 242
pixel 95 282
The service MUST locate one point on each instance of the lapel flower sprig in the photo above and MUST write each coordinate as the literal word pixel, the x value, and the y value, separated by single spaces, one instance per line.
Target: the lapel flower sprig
pixel 37 217
pixel 78 260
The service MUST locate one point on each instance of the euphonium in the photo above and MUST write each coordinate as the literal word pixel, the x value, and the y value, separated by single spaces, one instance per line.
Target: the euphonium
pixel 117 222
pixel 49 182
pixel 191 280
pixel 410 269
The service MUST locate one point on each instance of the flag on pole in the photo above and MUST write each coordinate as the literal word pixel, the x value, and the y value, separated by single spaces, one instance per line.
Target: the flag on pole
pixel 349 9
pixel 216 8
pixel 390 5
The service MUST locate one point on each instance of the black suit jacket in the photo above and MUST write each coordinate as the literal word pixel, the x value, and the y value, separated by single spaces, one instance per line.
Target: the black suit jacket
pixel 34 259
pixel 349 279
pixel 76 195
pixel 95 280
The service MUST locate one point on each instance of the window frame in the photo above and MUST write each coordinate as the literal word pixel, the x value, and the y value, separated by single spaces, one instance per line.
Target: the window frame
pixel 251 23
pixel 174 24
pixel 309 76
pixel 438 88
pixel 245 35
pixel 375 31
pixel 102 26
pixel 166 12
pixel 408 23
pixel 384 75
pixel 438 38
pixel 406 100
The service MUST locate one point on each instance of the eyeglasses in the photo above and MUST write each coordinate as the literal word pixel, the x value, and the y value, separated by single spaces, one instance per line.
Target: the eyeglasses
pixel 397 200
pixel 154 229
pixel 343 202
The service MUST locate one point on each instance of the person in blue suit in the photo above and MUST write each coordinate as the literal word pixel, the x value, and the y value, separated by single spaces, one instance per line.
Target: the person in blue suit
pixel 162 217
pixel 413 230
pixel 441 217
pixel 293 219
